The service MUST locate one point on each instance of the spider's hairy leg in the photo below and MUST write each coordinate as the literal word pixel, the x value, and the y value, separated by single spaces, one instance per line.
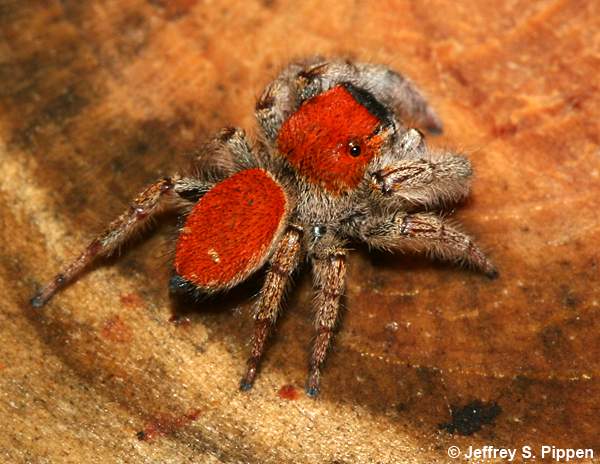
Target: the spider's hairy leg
pixel 400 93
pixel 428 182
pixel 157 197
pixel 228 152
pixel 421 176
pixel 283 263
pixel 329 275
pixel 429 233
pixel 274 105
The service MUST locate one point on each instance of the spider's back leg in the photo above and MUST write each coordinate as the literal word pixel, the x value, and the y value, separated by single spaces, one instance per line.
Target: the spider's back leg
pixel 227 153
pixel 167 193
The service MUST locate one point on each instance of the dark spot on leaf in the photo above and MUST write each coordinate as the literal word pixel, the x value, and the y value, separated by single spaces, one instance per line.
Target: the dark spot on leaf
pixel 555 343
pixel 66 105
pixel 468 419
pixel 568 297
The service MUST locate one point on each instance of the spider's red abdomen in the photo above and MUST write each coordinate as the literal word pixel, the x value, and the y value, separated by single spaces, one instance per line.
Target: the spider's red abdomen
pixel 231 229
pixel 317 138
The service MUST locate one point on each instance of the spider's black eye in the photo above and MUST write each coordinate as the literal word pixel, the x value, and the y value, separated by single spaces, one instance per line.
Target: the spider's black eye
pixel 354 149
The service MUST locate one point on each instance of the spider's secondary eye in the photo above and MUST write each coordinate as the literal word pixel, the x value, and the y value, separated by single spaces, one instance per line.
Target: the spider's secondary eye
pixel 354 149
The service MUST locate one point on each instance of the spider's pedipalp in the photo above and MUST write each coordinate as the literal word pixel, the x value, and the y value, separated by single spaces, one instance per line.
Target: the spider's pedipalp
pixel 410 174
pixel 425 232
pixel 166 193
pixel 283 263
pixel 438 179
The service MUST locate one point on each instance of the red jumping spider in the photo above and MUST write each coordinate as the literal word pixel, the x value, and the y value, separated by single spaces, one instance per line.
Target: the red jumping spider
pixel 334 164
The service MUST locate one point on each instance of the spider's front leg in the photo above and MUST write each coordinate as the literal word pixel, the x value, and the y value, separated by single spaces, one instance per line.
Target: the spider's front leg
pixel 155 198
pixel 329 281
pixel 282 265
pixel 426 232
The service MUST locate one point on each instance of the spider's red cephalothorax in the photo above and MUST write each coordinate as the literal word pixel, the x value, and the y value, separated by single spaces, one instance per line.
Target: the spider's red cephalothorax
pixel 334 164
pixel 331 139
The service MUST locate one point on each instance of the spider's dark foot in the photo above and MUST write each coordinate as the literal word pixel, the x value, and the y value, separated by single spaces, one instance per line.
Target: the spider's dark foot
pixel 312 392
pixel 246 386
pixel 489 270
pixel 312 385
pixel 492 274
pixel 247 381
pixel 43 296
pixel 37 301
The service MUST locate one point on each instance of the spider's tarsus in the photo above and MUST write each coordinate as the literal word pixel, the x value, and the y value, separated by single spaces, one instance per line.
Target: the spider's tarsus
pixel 248 380
pixel 492 274
pixel 312 384
pixel 37 301
pixel 312 391
pixel 246 386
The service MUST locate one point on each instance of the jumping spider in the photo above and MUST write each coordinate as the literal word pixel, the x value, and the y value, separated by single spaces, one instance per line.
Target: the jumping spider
pixel 334 164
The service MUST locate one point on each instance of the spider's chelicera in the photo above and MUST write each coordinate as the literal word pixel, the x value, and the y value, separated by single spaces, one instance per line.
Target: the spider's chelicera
pixel 333 164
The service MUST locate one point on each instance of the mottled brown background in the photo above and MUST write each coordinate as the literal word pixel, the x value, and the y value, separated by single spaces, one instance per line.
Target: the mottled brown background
pixel 99 98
